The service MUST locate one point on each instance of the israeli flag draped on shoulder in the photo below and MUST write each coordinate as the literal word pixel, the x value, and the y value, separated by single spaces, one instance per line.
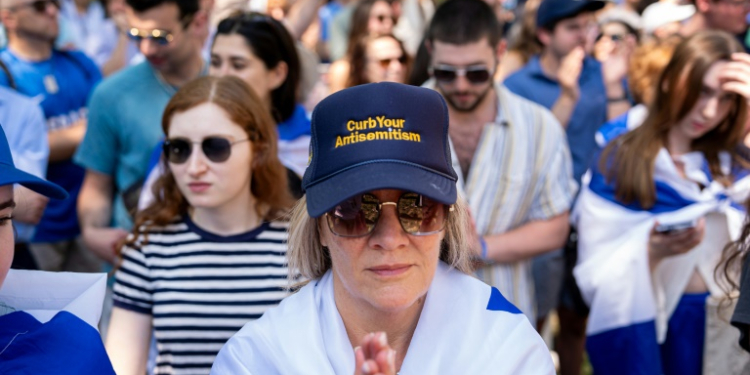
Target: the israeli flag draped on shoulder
pixel 49 323
pixel 630 306
pixel 466 327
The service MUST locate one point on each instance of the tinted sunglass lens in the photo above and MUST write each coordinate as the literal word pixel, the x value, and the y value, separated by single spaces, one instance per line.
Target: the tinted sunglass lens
pixel 444 75
pixel 354 217
pixel 216 149
pixel 177 151
pixel 420 215
pixel 478 76
pixel 39 6
pixel 160 40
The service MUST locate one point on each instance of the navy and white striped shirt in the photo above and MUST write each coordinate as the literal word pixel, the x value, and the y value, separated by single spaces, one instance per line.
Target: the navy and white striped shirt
pixel 201 288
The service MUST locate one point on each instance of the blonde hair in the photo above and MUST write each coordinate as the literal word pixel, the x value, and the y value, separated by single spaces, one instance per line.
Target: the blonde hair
pixel 309 259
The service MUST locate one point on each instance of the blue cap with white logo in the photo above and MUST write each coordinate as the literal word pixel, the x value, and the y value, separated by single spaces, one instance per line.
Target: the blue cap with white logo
pixel 379 136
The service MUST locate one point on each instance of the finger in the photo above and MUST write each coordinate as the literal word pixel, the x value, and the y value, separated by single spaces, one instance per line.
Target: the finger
pixel 653 228
pixel 736 66
pixel 741 56
pixel 359 360
pixel 735 73
pixel 367 346
pixel 740 88
pixel 386 360
pixel 380 343
pixel 370 368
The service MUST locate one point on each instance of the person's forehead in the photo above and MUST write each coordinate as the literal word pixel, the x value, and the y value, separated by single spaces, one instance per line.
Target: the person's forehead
pixel 462 54
pixel 383 46
pixel 583 17
pixel 380 7
pixel 165 16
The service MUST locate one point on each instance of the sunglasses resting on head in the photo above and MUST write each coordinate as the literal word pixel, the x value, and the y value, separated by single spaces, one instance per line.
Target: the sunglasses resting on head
pixel 358 216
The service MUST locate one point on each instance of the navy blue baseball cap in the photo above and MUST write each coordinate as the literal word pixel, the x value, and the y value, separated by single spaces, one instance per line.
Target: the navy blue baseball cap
pixel 551 11
pixel 9 174
pixel 379 136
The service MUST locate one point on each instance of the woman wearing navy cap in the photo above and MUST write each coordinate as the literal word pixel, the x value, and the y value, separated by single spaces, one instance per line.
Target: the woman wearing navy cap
pixel 384 241
pixel 45 328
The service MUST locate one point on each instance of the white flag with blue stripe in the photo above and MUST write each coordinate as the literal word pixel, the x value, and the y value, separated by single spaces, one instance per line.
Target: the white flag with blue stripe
pixel 630 306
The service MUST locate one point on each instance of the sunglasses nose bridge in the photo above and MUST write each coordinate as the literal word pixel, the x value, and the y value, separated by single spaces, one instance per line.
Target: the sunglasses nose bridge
pixel 388 233
pixel 197 161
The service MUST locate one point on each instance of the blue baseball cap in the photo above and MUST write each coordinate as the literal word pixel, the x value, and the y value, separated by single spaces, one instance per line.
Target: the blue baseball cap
pixel 551 11
pixel 9 174
pixel 379 136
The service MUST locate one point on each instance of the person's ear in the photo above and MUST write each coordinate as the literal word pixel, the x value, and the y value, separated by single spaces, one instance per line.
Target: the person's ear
pixel 702 5
pixel 502 46
pixel 278 74
pixel 199 22
pixel 544 36
pixel 8 19
pixel 322 231
pixel 428 46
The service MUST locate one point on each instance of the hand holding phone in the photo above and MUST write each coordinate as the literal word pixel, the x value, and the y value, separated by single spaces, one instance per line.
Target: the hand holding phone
pixel 668 240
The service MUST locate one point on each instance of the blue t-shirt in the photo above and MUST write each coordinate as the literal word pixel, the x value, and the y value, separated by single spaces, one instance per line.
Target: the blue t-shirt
pixel 589 114
pixel 63 100
pixel 124 127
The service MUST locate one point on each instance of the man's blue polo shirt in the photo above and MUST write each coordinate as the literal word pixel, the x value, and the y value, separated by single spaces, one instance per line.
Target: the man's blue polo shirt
pixel 589 114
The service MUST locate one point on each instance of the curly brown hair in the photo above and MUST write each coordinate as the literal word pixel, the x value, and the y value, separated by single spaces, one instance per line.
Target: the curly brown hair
pixel 269 177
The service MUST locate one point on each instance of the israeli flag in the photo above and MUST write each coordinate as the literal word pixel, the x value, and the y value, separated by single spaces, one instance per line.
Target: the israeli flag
pixel 630 305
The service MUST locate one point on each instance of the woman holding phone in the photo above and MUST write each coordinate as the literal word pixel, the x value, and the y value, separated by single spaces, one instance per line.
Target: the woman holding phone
pixel 208 254
pixel 662 201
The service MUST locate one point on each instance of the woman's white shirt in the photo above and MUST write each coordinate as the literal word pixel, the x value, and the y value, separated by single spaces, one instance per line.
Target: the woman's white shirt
pixel 466 327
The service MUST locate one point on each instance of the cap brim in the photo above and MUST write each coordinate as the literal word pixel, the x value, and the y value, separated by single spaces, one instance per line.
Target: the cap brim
pixel 10 175
pixel 325 195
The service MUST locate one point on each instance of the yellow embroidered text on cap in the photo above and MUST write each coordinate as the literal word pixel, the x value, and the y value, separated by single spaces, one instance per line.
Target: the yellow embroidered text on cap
pixel 371 131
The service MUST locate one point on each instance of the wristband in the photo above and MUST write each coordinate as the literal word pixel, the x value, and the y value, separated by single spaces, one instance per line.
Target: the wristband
pixel 484 247
pixel 623 98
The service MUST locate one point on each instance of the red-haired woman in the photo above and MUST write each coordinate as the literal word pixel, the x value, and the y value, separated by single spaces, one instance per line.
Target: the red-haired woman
pixel 208 255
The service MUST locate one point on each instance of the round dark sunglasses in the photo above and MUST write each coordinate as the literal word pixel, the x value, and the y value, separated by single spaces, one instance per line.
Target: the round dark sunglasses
pixel 358 216
pixel 474 74
pixel 216 149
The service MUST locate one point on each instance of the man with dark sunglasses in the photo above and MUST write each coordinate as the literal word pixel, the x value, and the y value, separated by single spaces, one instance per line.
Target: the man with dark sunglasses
pixel 125 116
pixel 514 163
pixel 61 82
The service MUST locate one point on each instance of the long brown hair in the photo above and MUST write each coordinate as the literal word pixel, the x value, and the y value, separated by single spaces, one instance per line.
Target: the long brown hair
pixel 244 107
pixel 358 59
pixel 629 160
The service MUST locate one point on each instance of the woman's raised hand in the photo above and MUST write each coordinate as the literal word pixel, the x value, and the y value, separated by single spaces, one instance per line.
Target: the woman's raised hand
pixel 374 356
pixel 735 76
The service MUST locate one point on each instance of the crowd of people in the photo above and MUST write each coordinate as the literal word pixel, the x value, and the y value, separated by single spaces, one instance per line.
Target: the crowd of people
pixel 579 164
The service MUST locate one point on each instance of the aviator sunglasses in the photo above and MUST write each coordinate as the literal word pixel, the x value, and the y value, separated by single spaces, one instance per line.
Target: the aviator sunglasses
pixel 216 149
pixel 385 63
pixel 39 6
pixel 358 216
pixel 158 36
pixel 448 73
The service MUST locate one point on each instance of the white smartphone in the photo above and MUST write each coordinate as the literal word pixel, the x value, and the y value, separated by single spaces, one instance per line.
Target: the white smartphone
pixel 676 227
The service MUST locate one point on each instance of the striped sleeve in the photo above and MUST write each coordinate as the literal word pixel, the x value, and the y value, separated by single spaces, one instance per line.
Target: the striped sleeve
pixel 556 187
pixel 133 287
